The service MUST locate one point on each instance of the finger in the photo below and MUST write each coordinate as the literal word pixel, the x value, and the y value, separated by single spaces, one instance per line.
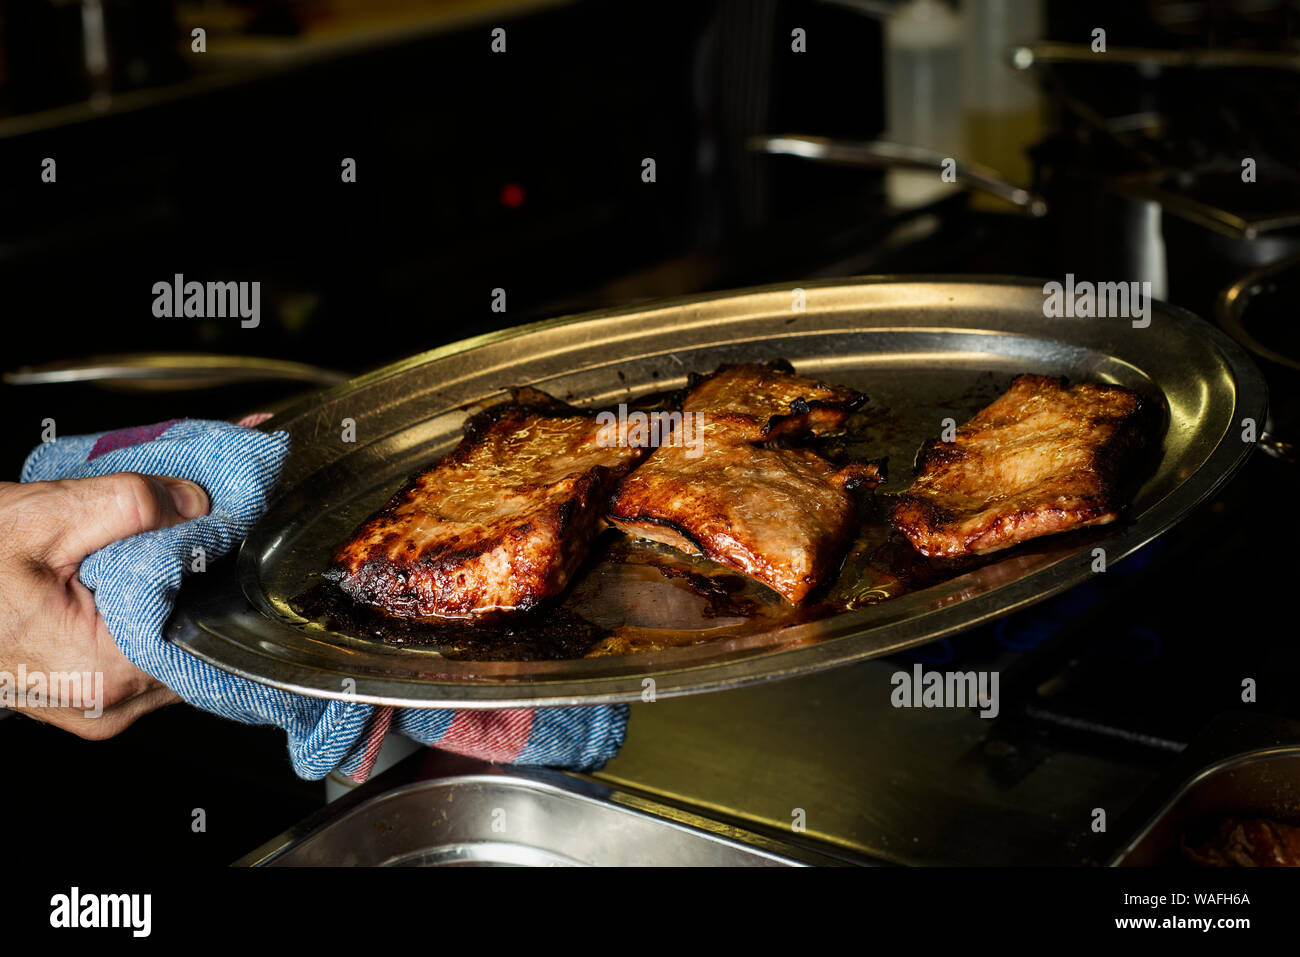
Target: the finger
pixel 93 512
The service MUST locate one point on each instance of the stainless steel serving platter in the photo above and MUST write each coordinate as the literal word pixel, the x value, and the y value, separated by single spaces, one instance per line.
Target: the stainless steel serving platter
pixel 923 349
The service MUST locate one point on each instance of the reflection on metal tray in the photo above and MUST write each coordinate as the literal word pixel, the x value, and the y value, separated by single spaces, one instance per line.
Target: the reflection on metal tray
pixel 441 810
pixel 922 349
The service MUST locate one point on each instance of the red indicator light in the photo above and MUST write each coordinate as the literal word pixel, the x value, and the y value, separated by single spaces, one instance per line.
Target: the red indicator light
pixel 512 196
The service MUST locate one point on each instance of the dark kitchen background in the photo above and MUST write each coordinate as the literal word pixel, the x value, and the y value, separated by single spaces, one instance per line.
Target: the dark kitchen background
pixel 523 171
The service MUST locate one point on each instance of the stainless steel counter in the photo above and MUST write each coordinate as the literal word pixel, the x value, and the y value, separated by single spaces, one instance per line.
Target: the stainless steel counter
pixel 908 786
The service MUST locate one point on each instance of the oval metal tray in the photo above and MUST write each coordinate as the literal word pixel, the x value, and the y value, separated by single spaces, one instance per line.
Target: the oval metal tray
pixel 925 348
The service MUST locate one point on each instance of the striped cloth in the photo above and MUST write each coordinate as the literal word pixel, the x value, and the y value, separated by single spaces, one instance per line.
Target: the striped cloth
pixel 135 581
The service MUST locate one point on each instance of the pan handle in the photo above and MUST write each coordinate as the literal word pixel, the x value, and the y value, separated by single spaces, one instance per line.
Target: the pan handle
pixel 881 154
pixel 1277 448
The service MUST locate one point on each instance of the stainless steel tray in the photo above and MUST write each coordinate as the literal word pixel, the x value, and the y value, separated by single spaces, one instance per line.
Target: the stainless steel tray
pixel 1242 764
pixel 925 348
pixel 435 810
pixel 1261 783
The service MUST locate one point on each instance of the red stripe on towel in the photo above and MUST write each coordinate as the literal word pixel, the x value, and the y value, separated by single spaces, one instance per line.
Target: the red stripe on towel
pixel 489 735
pixel 378 731
pixel 125 438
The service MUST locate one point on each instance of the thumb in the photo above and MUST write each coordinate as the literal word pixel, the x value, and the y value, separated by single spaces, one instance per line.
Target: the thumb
pixel 95 512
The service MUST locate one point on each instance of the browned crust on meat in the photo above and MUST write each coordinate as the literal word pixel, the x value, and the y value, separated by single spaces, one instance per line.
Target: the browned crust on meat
pixel 930 528
pixel 997 485
pixel 769 401
pixel 499 524
pixel 781 516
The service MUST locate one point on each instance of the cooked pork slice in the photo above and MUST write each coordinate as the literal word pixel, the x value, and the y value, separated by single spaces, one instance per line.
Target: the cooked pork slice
pixel 1043 458
pixel 767 401
pixel 781 516
pixel 498 524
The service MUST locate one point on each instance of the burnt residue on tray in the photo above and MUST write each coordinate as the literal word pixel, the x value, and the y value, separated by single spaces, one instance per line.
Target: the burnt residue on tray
pixel 553 635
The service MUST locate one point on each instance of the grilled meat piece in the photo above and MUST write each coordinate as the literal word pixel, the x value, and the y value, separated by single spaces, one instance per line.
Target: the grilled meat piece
pixel 1043 458
pixel 764 402
pixel 498 524
pixel 1248 842
pixel 779 515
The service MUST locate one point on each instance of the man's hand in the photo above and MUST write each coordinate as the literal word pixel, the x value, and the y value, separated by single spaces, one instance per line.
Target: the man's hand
pixel 48 620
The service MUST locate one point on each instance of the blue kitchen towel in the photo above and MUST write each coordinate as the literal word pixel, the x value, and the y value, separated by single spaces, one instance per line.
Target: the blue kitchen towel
pixel 135 581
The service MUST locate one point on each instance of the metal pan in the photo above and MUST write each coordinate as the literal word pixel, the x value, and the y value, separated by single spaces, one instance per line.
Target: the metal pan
pixel 923 348
pixel 438 810
pixel 1242 764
